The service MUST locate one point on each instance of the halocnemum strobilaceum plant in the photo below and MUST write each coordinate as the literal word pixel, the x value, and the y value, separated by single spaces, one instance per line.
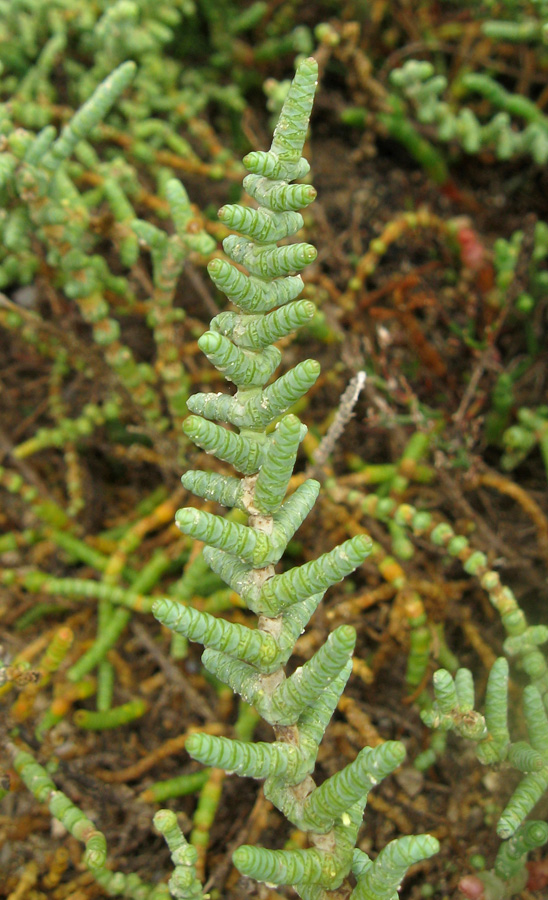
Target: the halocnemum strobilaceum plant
pixel 262 445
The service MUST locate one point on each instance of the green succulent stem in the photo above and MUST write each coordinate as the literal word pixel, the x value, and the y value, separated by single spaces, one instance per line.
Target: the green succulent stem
pixel 262 444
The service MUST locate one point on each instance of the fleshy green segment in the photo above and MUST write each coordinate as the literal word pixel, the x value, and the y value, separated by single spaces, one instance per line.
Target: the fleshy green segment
pixel 383 877
pixel 260 549
pixel 284 160
pixel 289 135
pixel 277 196
pixel 351 785
pixel 230 536
pixel 306 684
pixel 224 489
pixel 255 760
pixel 243 367
pixel 262 225
pixel 237 574
pixel 278 464
pixel 250 293
pixel 534 783
pixel 258 408
pixel 243 452
pixel 268 261
pixel 248 544
pixel 40 784
pixel 319 574
pixel 453 706
pixel 536 719
pixel 243 678
pixel 496 714
pixel 243 643
pixel 288 866
pixel 294 619
pixel 453 710
pixel 512 854
pixel 292 514
pixel 255 331
pixel 91 114
pixel 315 719
pixel 527 794
pixel 522 756
pixel 184 883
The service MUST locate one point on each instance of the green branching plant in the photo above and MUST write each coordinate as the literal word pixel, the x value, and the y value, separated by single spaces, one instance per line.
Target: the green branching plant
pixel 85 41
pixel 519 22
pixel 530 431
pixel 453 710
pixel 42 202
pixel 116 884
pixel 418 83
pixel 76 44
pixel 262 445
pixel 84 197
pixel 48 221
pixel 523 256
pixel 453 707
